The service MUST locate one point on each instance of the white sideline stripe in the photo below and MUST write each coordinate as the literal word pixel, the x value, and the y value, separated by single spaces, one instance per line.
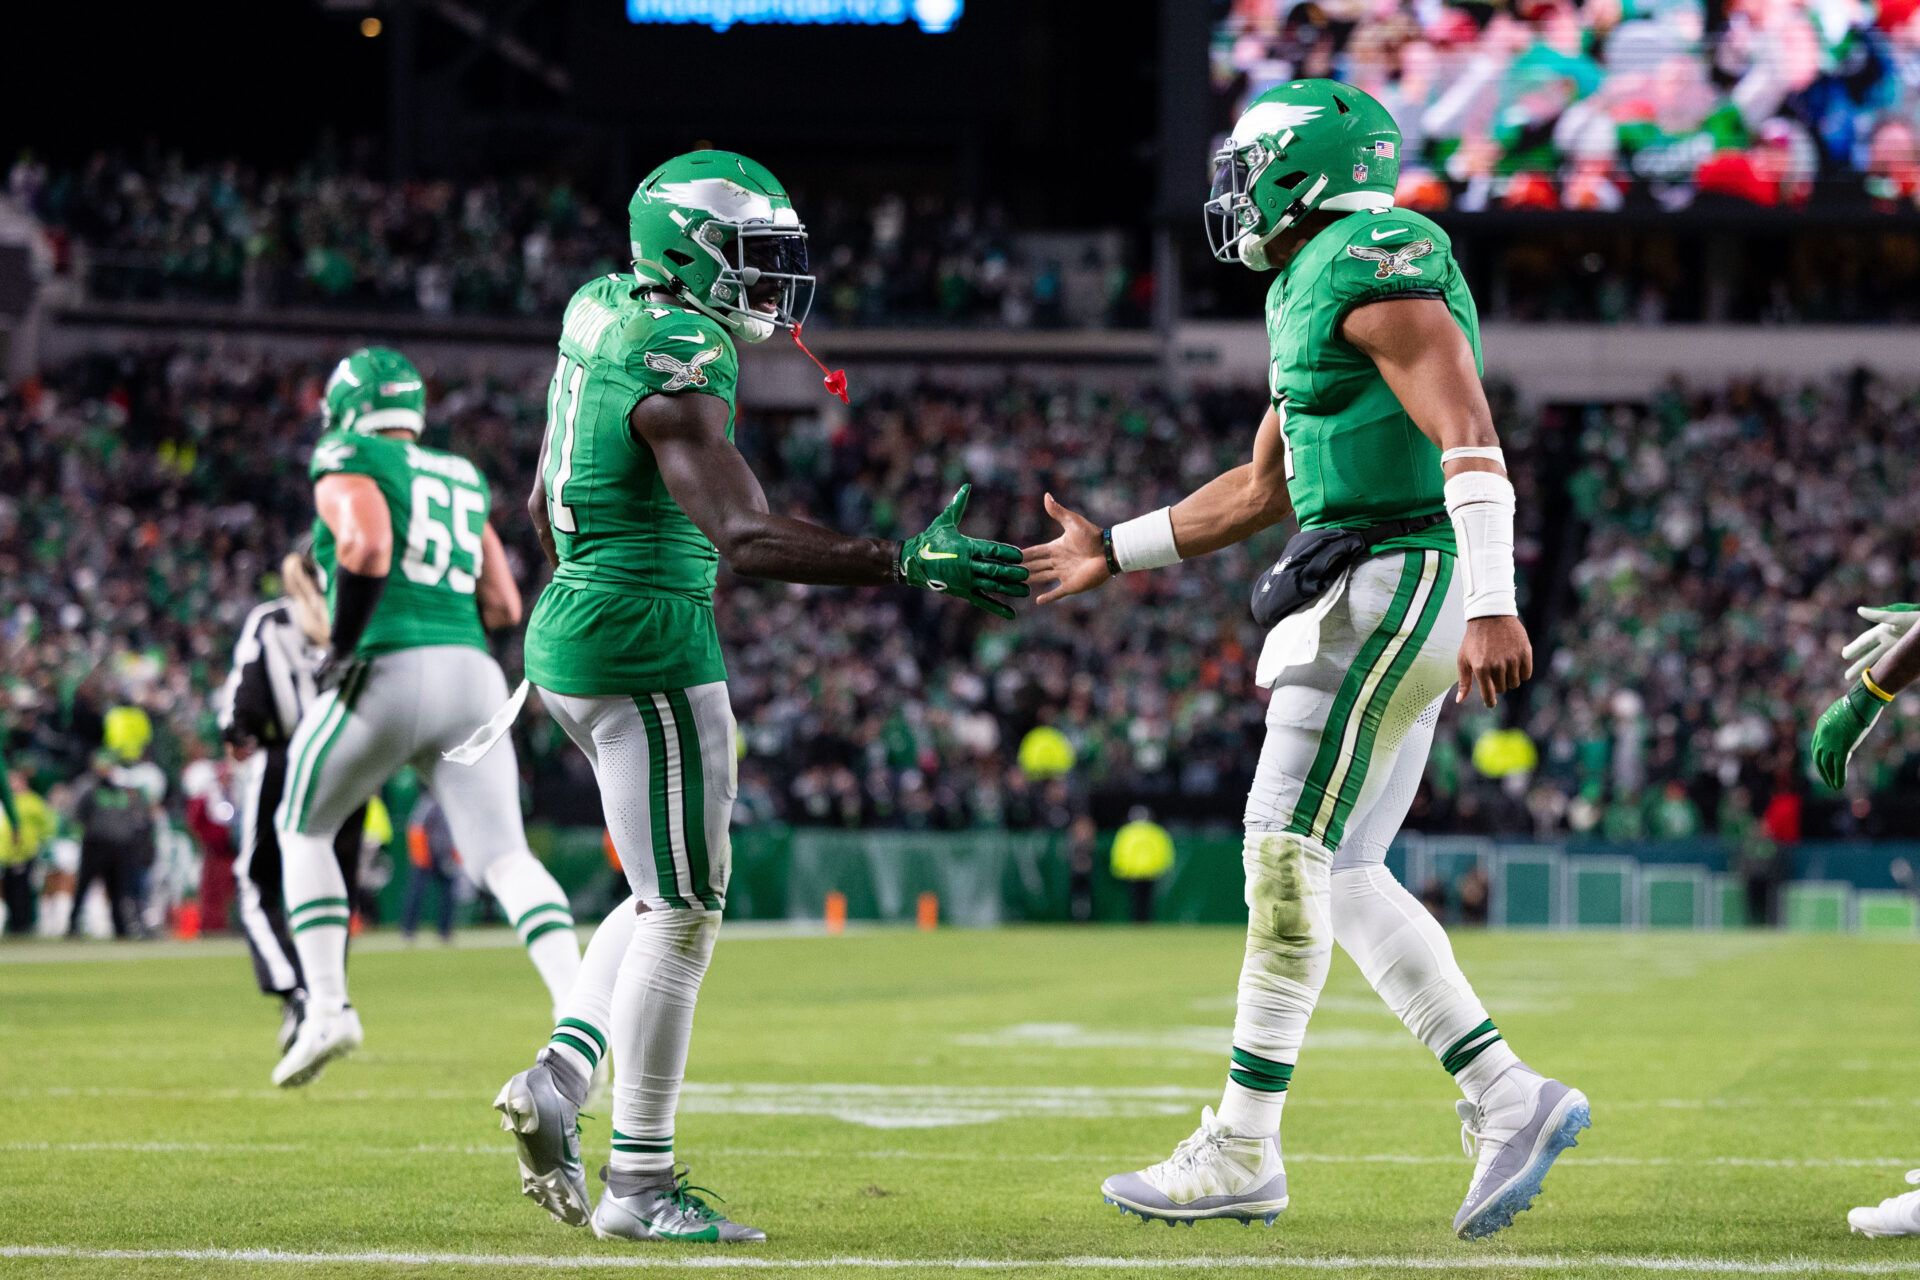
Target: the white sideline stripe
pixel 1202 1262
pixel 503 1151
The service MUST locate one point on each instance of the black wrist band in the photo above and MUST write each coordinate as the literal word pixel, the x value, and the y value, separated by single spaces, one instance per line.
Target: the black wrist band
pixel 355 596
pixel 899 553
pixel 1106 547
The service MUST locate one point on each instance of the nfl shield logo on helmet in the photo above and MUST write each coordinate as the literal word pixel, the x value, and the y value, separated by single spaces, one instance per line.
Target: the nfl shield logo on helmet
pixel 1359 173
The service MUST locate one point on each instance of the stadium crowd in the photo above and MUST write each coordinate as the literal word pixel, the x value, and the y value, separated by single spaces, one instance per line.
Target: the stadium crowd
pixel 145 500
pixel 155 227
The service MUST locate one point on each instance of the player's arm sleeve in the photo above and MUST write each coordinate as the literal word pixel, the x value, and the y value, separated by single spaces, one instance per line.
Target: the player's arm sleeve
pixel 342 453
pixel 1387 258
pixel 689 355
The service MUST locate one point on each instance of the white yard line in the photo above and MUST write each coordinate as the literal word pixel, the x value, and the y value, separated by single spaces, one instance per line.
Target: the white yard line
pixel 733 1260
pixel 502 1151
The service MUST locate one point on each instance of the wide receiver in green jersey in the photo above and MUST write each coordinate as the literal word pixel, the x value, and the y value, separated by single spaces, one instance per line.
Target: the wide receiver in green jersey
pixel 640 494
pixel 1401 580
pixel 406 676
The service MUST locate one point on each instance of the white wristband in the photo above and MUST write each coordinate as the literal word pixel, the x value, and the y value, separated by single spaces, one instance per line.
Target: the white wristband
pixel 1481 504
pixel 1145 542
pixel 1491 452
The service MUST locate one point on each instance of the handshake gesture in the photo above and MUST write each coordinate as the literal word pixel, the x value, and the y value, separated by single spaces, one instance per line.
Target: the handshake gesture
pixel 975 570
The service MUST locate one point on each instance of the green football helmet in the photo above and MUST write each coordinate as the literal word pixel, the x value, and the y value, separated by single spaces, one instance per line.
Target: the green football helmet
pixel 374 389
pixel 1300 146
pixel 719 231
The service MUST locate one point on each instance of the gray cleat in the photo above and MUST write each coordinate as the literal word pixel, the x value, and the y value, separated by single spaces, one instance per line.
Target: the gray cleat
pixel 540 1109
pixel 1215 1173
pixel 1517 1143
pixel 664 1207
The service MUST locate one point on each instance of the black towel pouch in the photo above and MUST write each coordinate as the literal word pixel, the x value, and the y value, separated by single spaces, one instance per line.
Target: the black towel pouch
pixel 1312 561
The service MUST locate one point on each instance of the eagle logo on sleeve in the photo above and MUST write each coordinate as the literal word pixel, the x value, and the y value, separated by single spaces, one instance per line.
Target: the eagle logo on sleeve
pixel 331 455
pixel 1392 262
pixel 682 374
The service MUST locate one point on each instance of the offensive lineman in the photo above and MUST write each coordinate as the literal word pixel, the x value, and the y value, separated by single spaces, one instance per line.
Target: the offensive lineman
pixel 407 675
pixel 1379 438
pixel 640 493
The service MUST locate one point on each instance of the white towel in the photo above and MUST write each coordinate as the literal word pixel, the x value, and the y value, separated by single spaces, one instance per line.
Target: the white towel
pixel 1295 639
pixel 482 739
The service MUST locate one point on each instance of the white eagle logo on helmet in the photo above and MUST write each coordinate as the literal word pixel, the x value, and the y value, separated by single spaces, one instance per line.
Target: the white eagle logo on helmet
pixel 683 373
pixel 1393 262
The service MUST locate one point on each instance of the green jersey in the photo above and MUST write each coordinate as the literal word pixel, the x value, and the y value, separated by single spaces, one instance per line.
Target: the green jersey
pixel 1353 456
pixel 438 504
pixel 630 609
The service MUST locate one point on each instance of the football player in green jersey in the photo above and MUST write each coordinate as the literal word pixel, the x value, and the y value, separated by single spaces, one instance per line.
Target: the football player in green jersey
pixel 1379 440
pixel 407 675
pixel 640 495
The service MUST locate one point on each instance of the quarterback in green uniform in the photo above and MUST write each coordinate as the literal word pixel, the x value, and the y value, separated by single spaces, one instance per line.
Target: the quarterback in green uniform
pixel 640 494
pixel 1399 586
pixel 407 675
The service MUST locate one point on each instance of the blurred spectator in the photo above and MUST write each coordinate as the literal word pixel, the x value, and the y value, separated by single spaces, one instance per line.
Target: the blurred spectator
pixel 1142 855
pixel 430 858
pixel 26 824
pixel 118 844
pixel 207 785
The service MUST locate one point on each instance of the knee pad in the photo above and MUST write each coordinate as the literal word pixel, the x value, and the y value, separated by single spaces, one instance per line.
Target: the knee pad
pixel 1286 892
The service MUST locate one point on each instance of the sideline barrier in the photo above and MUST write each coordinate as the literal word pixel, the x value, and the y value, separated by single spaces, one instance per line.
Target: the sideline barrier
pixel 986 878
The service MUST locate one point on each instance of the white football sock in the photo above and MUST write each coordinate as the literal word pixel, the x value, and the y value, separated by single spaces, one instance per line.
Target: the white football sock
pixel 652 1025
pixel 1289 945
pixel 318 913
pixel 1404 953
pixel 532 899
pixel 584 1027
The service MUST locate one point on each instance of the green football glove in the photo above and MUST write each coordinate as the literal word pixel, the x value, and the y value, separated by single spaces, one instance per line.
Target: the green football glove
pixel 1842 728
pixel 947 560
pixel 1890 622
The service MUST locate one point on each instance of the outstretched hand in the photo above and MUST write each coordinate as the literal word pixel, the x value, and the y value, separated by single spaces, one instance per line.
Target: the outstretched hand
pixel 976 570
pixel 1075 561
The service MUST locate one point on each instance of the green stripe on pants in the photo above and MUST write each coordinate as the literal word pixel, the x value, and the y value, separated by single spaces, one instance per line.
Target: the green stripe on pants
pixel 1327 760
pixel 657 801
pixel 693 791
pixel 1376 709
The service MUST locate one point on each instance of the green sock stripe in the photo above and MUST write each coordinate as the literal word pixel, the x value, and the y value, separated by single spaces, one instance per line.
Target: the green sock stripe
pixel 693 791
pixel 578 1045
pixel 1471 1045
pixel 1376 708
pixel 543 908
pixel 587 1027
pixel 539 931
pixel 1327 760
pixel 657 801
pixel 628 1143
pixel 321 922
pixel 1459 1063
pixel 1252 1071
pixel 315 904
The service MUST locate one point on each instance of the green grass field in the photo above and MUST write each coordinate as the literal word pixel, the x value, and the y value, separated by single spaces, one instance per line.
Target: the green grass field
pixel 920 1104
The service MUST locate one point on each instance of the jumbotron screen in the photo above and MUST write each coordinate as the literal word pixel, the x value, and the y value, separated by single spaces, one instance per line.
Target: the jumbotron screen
pixel 1611 104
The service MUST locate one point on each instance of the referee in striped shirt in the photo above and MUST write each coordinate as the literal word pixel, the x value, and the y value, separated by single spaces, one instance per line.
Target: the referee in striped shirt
pixel 270 684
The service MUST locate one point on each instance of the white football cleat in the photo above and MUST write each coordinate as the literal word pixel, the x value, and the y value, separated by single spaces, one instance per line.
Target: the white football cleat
pixel 322 1038
pixel 1894 1216
pixel 1215 1173
pixel 1518 1135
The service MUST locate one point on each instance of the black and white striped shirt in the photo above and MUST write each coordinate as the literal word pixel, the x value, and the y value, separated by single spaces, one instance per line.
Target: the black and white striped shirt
pixel 272 678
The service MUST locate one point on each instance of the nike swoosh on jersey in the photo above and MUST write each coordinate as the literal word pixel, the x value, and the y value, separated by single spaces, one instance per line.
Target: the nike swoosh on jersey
pixel 1391 231
pixel 685 337
pixel 928 553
